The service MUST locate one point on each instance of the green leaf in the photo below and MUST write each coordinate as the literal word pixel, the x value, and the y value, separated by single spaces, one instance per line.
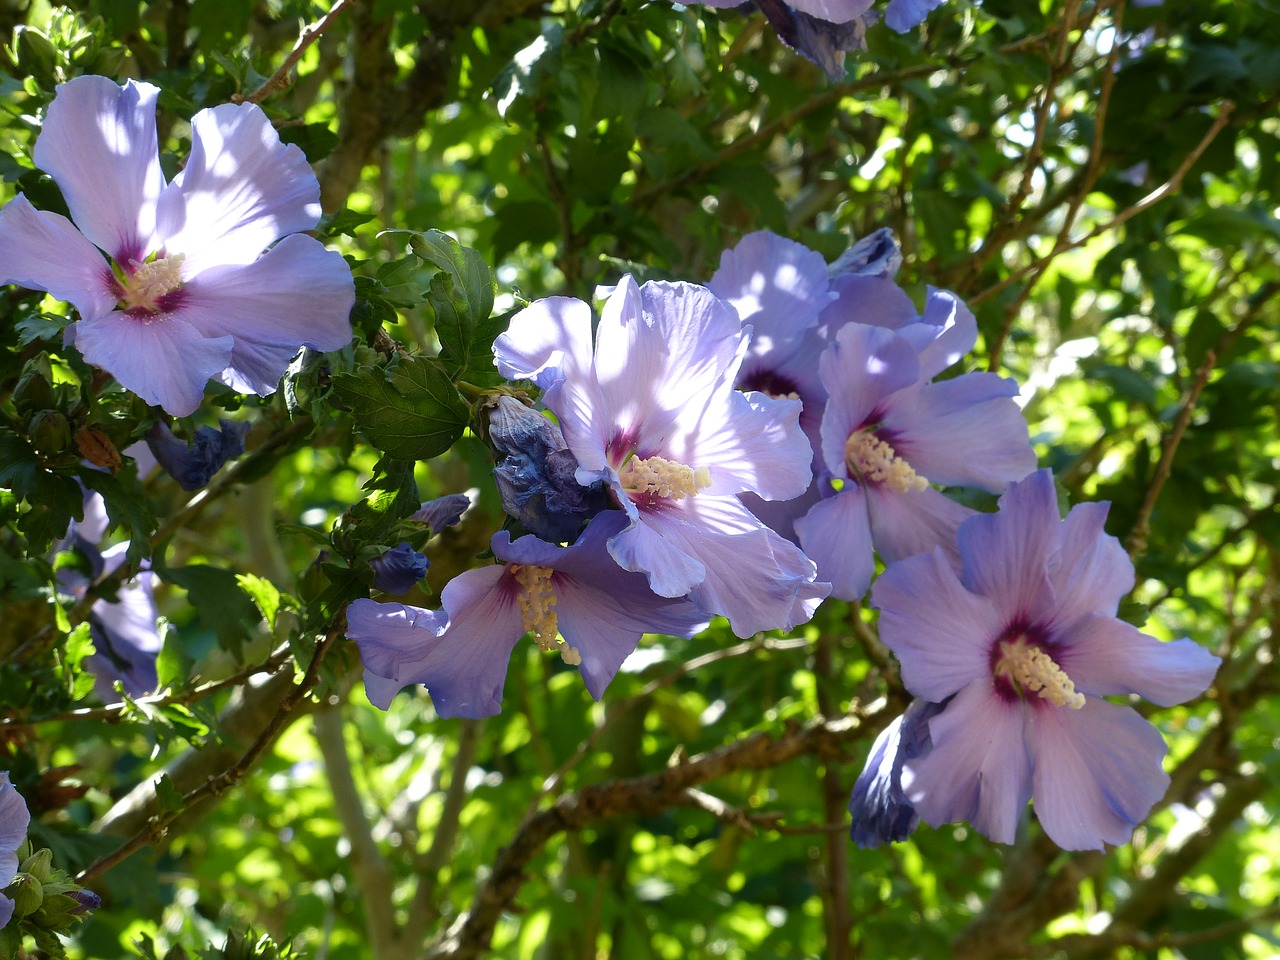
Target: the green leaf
pixel 219 601
pixel 461 295
pixel 128 505
pixel 173 663
pixel 408 409
pixel 167 794
pixel 265 596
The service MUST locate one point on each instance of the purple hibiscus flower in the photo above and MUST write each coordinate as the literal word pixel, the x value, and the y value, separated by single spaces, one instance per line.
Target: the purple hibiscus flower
pixel 125 639
pixel 652 412
pixel 170 280
pixel 14 821
pixel 461 651
pixel 888 432
pixel 1025 641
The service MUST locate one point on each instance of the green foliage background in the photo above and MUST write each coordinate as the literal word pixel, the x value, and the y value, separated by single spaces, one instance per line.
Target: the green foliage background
pixel 1098 180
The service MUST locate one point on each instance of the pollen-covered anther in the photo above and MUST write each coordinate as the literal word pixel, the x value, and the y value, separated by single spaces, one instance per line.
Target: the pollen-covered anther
pixel 148 282
pixel 1034 670
pixel 659 477
pixel 875 461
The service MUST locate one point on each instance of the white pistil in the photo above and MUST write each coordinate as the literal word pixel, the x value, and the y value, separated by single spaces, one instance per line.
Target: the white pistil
pixel 537 602
pixel 875 461
pixel 148 282
pixel 659 477
pixel 1034 670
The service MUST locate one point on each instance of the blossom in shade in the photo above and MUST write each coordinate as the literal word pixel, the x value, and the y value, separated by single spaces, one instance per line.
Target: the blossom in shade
pixel 880 810
pixel 170 280
pixel 651 411
pixel 903 15
pixel 574 600
pixel 14 821
pixel 1025 641
pixel 536 473
pixel 889 432
pixel 399 569
pixel 194 463
pixel 442 511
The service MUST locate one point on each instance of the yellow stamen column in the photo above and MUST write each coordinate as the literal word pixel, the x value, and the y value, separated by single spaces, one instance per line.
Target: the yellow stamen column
pixel 537 601
pixel 874 461
pixel 1031 668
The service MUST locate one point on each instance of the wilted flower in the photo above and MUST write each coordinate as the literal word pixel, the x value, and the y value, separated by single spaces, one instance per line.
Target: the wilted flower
pixel 651 410
pixel 889 432
pixel 184 292
pixel 399 569
pixel 1026 642
pixel 14 821
pixel 880 810
pixel 194 463
pixel 461 651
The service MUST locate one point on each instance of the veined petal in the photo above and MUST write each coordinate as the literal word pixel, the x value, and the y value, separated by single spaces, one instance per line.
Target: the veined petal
pixel 297 292
pixel 165 360
pixel 394 640
pixel 1090 571
pixel 44 251
pixel 99 143
pixel 776 285
pixel 939 631
pixel 1108 657
pixel 875 301
pixel 644 548
pixel 751 444
pixel 946 332
pixel 966 431
pixel 1097 773
pixel 979 769
pixel 240 190
pixel 906 523
pixel 1006 553
pixel 836 534
pixel 861 368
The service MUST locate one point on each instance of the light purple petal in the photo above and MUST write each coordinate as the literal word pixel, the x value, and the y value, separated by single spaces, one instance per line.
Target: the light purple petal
pixel 903 15
pixel 128 628
pixel 939 631
pixel 394 640
pixel 1090 571
pixel 833 11
pixel 875 301
pixel 860 369
pixel 297 292
pixel 99 143
pixel 979 769
pixel 442 511
pixel 904 524
pixel 642 548
pixel 44 251
pixel 946 332
pixel 240 190
pixel 776 285
pixel 966 431
pixel 166 360
pixel 1108 657
pixel 1006 553
pixel 15 819
pixel 6 908
pixel 836 534
pixel 1097 773
pixel 750 444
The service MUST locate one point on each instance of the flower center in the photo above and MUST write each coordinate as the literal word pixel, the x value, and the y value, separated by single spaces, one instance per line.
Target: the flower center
pixel 537 602
pixel 1029 666
pixel 145 284
pixel 874 461
pixel 658 477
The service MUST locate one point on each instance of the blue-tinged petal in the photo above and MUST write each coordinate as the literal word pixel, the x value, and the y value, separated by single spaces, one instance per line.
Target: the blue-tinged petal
pixel 99 144
pixel 966 431
pixel 980 767
pixel 443 511
pixel 903 15
pixel 643 548
pixel 14 821
pixel 881 812
pixel 815 38
pixel 833 11
pixel 946 332
pixel 1097 773
pixel 776 285
pixel 875 301
pixel 861 368
pixel 1108 657
pixel 906 523
pixel 939 631
pixel 166 361
pixel 44 251
pixel 875 255
pixel 296 293
pixel 1090 571
pixel 749 443
pixel 836 534
pixel 399 569
pixel 194 463
pixel 125 637
pixel 240 190
pixel 1006 554
pixel 6 909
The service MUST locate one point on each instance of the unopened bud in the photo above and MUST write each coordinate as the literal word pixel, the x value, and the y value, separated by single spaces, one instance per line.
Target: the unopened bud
pixel 39 864
pixel 28 895
pixel 49 432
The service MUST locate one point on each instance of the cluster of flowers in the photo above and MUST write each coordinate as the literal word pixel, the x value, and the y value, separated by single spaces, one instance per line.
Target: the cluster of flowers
pixel 747 448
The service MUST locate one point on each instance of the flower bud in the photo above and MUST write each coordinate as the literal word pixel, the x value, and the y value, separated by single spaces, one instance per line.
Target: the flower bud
pixel 39 864
pixel 27 894
pixel 49 432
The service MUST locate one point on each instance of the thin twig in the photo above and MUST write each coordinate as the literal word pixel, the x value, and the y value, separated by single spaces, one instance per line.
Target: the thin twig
pixel 281 78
